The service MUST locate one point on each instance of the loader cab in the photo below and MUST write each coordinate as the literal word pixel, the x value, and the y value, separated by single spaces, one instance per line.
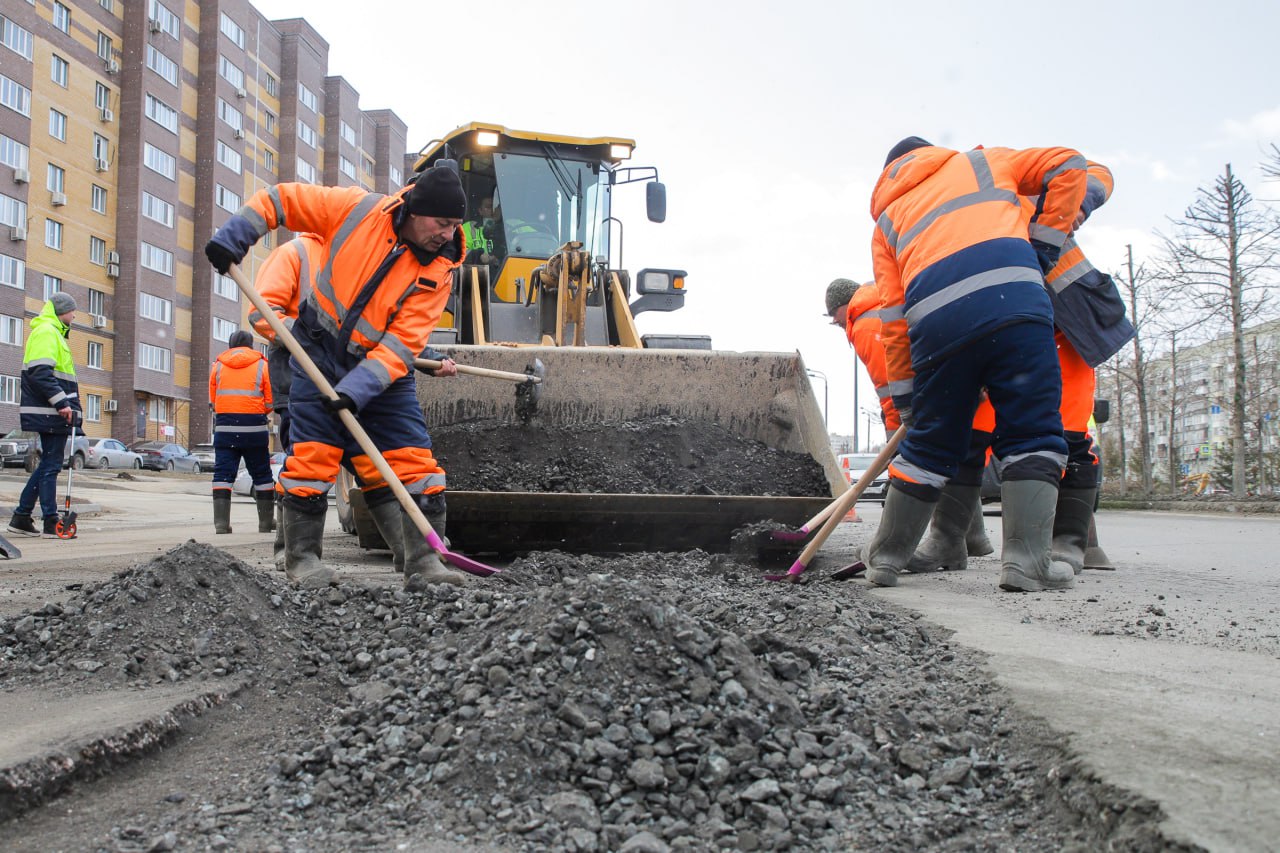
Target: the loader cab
pixel 547 191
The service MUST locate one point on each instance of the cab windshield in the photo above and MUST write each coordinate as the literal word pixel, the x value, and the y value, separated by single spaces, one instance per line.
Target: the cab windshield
pixel 543 202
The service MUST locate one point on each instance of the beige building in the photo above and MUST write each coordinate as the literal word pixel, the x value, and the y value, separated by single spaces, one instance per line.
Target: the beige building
pixel 129 131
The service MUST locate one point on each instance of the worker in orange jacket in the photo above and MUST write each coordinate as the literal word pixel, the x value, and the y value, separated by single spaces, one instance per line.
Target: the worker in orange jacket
pixel 964 308
pixel 240 395
pixel 387 270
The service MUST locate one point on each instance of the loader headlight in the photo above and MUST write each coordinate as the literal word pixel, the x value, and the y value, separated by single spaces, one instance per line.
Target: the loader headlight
pixel 620 152
pixel 487 138
pixel 660 281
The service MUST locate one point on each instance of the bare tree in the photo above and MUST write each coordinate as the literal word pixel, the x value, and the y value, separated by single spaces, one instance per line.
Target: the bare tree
pixel 1140 290
pixel 1219 258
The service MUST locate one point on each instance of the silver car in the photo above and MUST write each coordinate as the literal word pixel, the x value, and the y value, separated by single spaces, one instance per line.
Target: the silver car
pixel 110 453
pixel 243 484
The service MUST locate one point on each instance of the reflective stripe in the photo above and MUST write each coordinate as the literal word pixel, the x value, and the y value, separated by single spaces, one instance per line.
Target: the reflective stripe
pixel 885 224
pixel 69 377
pixel 323 283
pixel 265 487
pixel 981 169
pixel 431 481
pixel 1071 275
pixel 37 362
pixel 966 286
pixel 868 315
pixel 57 398
pixel 219 484
pixel 379 371
pixel 892 313
pixel 882 391
pixel 916 474
pixel 242 428
pixel 982 196
pixel 36 410
pixel 899 387
pixel 237 393
pixel 902 161
pixel 397 346
pixel 1045 234
pixel 304 263
pixel 255 219
pixel 318 485
pixel 1001 464
pixel 1076 162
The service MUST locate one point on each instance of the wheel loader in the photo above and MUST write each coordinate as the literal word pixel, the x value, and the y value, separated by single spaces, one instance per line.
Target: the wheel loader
pixel 543 283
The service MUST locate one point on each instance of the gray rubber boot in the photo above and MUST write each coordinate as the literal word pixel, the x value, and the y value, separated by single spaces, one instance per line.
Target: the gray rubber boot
pixel 422 565
pixel 1071 524
pixel 277 548
pixel 946 544
pixel 1094 557
pixel 222 511
pixel 266 502
pixel 976 540
pixel 901 525
pixel 304 545
pixel 386 517
pixel 1028 538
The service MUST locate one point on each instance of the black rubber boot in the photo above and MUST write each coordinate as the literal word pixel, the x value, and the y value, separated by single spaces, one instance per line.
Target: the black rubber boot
pixel 222 511
pixel 277 548
pixel 1094 557
pixel 1028 507
pixel 901 525
pixel 266 511
pixel 1071 524
pixel 422 565
pixel 946 544
pixel 386 517
pixel 304 545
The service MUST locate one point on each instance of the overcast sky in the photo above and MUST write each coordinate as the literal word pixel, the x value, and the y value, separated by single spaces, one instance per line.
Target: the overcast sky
pixel 769 122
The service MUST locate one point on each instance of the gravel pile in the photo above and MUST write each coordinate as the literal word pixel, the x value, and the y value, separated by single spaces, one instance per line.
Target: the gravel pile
pixel 643 703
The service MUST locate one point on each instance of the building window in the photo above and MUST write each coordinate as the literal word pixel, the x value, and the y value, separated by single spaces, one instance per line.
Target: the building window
pixel 53 234
pixel 10 389
pixel 59 70
pixel 52 285
pixel 346 167
pixel 158 409
pixel 268 159
pixel 97 302
pixel 15 96
pixel 93 408
pixel 157 209
pixel 162 65
pixel 232 30
pixel 12 211
pixel 109 5
pixel 16 38
pixel 168 21
pixel 346 132
pixel 270 122
pixel 225 286
pixel 230 115
pixel 57 125
pixel 306 172
pixel 56 182
pixel 155 308
pixel 307 97
pixel 97 251
pixel 226 199
pixel 223 329
pixel 162 114
pixel 106 47
pixel 61 17
pixel 13 153
pixel 394 174
pixel 160 360
pixel 101 96
pixel 157 259
pixel 273 86
pixel 228 157
pixel 101 147
pixel 306 134
pixel 95 354
pixel 159 162
pixel 10 330
pixel 98 199
pixel 230 72
pixel 13 272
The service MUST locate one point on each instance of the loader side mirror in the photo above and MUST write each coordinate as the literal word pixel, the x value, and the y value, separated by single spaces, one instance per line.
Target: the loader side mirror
pixel 1101 411
pixel 655 200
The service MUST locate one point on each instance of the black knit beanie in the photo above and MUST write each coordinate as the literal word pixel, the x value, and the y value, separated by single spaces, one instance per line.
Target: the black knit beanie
pixel 911 143
pixel 438 192
pixel 239 338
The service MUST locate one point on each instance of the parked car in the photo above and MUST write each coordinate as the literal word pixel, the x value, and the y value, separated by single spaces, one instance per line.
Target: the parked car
pixel 110 453
pixel 854 465
pixel 204 453
pixel 23 448
pixel 165 456
pixel 14 447
pixel 243 484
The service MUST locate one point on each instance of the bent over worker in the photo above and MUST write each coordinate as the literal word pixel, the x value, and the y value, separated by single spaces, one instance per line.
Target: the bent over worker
pixel 964 308
pixel 240 394
pixel 381 287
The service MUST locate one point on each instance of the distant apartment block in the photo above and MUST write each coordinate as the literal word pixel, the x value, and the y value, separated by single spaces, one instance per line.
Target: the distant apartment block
pixel 129 131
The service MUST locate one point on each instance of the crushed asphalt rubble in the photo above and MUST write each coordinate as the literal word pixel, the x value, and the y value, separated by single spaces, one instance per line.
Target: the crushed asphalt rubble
pixel 642 703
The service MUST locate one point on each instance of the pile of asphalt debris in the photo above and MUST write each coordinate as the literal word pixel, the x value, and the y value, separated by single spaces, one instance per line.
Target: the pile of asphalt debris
pixel 644 703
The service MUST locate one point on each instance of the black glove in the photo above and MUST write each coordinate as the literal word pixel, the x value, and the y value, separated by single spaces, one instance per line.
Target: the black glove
pixel 220 256
pixel 1047 254
pixel 341 402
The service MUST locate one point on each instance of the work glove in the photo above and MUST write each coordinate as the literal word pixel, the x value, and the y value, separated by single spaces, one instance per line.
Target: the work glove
pixel 231 243
pixel 337 404
pixel 1047 254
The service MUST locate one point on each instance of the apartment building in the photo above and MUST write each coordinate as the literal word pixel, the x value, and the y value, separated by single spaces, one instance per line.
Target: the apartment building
pixel 129 131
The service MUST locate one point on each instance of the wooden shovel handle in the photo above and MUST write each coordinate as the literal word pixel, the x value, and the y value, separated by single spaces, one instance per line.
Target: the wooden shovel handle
pixel 432 364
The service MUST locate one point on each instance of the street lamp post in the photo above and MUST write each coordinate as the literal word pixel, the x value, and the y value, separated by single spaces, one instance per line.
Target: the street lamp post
pixel 823 377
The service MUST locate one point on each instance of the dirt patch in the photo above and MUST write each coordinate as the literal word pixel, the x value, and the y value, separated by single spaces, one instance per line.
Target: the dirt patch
pixel 658 455
pixel 643 703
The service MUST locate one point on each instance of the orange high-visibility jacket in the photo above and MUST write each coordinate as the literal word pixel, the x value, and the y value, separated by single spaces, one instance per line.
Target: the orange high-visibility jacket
pixel 862 325
pixel 358 231
pixel 286 276
pixel 951 251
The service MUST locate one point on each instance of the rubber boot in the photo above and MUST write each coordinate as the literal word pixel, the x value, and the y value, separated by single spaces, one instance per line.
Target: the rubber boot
pixel 304 545
pixel 266 511
pixel 977 543
pixel 1071 524
pixel 386 517
pixel 901 525
pixel 1094 557
pixel 422 565
pixel 277 548
pixel 1028 538
pixel 946 545
pixel 222 511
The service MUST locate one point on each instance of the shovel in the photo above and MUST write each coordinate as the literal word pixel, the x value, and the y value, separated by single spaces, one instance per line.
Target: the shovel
pixel 837 510
pixel 528 384
pixel 802 533
pixel 8 550
pixel 349 421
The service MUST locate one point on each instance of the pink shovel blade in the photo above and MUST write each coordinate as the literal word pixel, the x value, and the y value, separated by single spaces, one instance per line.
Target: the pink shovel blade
pixel 790 535
pixel 467 564
pixel 792 575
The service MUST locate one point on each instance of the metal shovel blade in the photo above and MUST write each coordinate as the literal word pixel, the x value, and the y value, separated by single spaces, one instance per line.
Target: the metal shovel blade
pixel 467 564
pixel 8 550
pixel 529 393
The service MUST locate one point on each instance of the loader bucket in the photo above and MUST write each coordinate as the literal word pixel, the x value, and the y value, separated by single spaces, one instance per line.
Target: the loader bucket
pixel 764 397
